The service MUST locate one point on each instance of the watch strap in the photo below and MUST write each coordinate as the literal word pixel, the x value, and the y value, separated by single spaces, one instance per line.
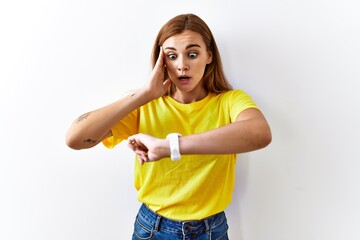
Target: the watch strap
pixel 174 146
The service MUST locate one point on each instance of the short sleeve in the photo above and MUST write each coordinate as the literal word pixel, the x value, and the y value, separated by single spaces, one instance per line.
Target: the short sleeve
pixel 238 101
pixel 126 127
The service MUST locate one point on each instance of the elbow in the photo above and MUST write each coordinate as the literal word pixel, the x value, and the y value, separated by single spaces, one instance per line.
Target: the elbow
pixel 72 142
pixel 265 137
pixel 77 141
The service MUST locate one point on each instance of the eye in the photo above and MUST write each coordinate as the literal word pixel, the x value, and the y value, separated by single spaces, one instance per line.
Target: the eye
pixel 193 54
pixel 172 56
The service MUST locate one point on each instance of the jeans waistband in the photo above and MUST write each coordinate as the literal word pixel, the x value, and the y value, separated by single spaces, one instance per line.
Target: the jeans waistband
pixel 185 227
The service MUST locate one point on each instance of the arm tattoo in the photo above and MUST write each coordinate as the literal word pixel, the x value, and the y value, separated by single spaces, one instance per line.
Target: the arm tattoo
pixel 83 117
pixel 132 95
pixel 90 141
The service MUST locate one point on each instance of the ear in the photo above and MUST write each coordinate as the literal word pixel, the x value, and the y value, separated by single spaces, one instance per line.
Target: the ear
pixel 209 60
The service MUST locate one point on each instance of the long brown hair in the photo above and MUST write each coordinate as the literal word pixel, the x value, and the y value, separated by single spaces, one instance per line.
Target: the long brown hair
pixel 214 79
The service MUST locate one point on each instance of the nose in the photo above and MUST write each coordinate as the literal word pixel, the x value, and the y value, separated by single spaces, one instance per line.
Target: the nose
pixel 182 65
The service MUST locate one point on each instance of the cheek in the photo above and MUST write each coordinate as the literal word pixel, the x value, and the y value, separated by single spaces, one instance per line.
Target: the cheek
pixel 200 66
pixel 170 70
pixel 170 66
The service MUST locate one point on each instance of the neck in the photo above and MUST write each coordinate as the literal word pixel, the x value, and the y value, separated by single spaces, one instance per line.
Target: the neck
pixel 189 97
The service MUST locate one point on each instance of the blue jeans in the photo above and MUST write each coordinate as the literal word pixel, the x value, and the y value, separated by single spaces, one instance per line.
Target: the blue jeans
pixel 150 225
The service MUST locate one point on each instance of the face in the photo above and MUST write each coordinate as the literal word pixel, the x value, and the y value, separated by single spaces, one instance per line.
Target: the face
pixel 186 57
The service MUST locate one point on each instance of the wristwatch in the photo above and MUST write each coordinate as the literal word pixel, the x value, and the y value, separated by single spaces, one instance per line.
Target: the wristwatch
pixel 174 146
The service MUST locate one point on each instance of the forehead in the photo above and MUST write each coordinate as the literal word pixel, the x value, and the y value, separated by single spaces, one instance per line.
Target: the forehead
pixel 183 39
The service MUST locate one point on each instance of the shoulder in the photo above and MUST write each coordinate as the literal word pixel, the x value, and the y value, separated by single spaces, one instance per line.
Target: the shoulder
pixel 233 94
pixel 237 99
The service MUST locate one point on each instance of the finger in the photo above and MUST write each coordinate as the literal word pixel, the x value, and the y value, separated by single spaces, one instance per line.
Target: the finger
pixel 167 84
pixel 141 156
pixel 134 142
pixel 140 152
pixel 137 143
pixel 140 161
pixel 130 141
pixel 143 159
pixel 160 60
pixel 131 145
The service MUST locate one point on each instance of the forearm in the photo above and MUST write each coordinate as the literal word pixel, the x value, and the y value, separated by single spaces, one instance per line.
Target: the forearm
pixel 250 132
pixel 91 128
pixel 238 137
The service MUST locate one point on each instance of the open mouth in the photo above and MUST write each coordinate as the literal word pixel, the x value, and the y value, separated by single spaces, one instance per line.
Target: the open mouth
pixel 184 78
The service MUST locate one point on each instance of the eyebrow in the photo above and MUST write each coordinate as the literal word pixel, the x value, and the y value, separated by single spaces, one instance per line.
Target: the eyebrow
pixel 187 47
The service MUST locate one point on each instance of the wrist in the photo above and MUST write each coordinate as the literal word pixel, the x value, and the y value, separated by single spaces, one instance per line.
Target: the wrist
pixel 166 148
pixel 149 92
pixel 146 94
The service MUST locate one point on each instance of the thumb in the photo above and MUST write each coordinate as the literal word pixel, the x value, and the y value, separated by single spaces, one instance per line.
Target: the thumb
pixel 167 84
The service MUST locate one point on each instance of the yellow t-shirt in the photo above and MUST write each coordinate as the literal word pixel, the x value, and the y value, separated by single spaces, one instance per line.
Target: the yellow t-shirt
pixel 197 186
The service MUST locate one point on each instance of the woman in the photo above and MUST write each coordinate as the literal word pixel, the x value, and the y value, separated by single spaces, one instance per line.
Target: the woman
pixel 188 113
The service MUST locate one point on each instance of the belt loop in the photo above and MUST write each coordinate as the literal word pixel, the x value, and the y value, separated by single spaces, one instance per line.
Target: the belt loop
pixel 157 223
pixel 208 230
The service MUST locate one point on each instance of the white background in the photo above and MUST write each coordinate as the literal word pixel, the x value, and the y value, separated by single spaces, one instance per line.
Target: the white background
pixel 299 60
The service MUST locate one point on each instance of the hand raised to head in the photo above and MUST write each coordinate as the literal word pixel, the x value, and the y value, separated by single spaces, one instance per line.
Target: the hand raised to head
pixel 156 86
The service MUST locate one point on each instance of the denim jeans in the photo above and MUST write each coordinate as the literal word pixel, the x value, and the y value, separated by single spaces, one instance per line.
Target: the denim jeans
pixel 150 225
